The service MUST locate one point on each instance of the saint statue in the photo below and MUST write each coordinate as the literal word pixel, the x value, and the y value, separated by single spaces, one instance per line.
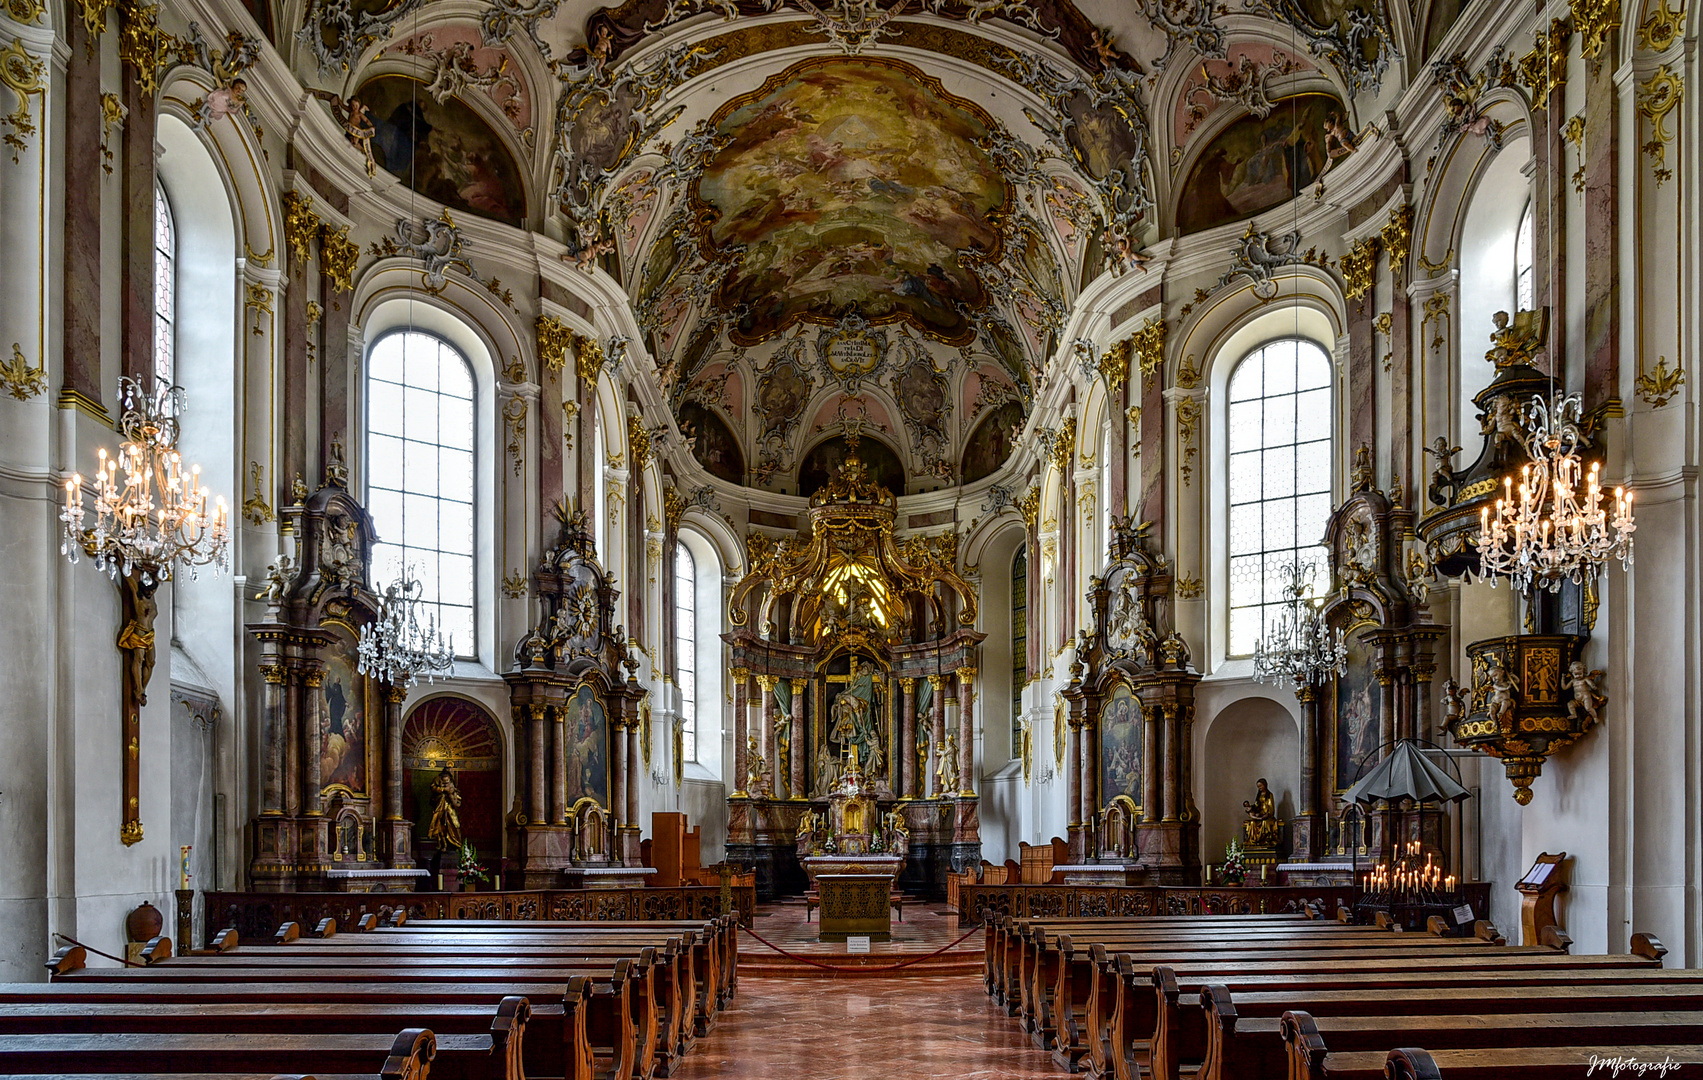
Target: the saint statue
pixel 946 769
pixel 827 772
pixel 445 827
pixel 1262 827
pixel 756 770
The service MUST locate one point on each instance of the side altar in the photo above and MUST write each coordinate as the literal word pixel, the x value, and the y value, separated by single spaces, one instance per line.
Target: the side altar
pixel 853 675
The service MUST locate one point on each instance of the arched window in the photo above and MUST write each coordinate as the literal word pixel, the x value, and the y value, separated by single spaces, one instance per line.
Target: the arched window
pixel 1280 478
pixel 165 289
pixel 686 647
pixel 1019 643
pixel 420 474
pixel 1525 279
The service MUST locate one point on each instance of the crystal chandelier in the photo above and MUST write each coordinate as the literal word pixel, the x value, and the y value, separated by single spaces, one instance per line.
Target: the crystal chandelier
pixel 395 648
pixel 1301 649
pixel 1552 534
pixel 158 515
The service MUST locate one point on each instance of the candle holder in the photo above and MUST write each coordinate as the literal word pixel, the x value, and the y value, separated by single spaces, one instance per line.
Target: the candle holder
pixel 1408 890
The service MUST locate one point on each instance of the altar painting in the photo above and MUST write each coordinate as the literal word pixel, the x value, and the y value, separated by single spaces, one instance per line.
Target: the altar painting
pixel 1355 712
pixel 587 731
pixel 350 702
pixel 1120 746
pixel 856 715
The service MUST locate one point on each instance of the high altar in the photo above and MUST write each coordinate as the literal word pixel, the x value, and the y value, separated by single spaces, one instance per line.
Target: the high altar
pixel 853 657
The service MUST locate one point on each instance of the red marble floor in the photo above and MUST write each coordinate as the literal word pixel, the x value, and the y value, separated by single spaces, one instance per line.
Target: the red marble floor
pixel 849 1029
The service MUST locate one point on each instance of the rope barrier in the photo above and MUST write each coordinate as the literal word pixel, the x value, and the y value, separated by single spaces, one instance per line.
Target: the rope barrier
pixel 90 948
pixel 861 969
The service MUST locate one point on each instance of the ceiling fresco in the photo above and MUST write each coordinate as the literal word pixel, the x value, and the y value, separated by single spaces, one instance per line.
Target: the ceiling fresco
pixel 851 186
pixel 850 217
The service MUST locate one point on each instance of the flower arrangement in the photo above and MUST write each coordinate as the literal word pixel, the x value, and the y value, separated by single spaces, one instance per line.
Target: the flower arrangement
pixel 472 870
pixel 1235 868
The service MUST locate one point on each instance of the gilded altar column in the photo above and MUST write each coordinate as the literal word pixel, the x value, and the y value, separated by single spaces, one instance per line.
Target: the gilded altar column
pixel 1149 763
pixel 536 808
pixel 618 795
pixel 293 741
pixel 766 733
pixel 740 675
pixel 313 716
pixel 559 764
pixel 796 754
pixel 966 730
pixel 272 727
pixel 907 737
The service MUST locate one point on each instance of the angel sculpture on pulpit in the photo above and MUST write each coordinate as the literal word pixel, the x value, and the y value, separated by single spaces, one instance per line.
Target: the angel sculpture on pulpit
pixel 1587 692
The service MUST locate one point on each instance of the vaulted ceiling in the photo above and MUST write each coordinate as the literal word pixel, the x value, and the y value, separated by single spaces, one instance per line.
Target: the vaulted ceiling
pixel 863 215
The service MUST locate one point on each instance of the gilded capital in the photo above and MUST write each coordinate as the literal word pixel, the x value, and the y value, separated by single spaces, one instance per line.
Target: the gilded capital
pixel 798 686
pixel 739 674
pixel 767 683
pixel 273 673
pixel 396 695
pixel 908 683
pixel 938 682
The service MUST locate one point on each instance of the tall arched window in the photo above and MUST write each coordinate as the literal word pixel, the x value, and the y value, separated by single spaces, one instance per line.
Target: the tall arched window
pixel 1280 478
pixel 165 289
pixel 686 647
pixel 1019 643
pixel 420 474
pixel 1525 280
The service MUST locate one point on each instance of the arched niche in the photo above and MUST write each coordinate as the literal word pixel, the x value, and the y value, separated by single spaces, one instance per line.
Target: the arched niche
pixel 454 734
pixel 1257 163
pixel 443 149
pixel 1249 738
pixel 823 461
pixel 991 443
pixel 713 442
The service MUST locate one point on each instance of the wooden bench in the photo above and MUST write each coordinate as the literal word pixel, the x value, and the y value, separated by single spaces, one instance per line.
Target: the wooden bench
pixel 1508 1063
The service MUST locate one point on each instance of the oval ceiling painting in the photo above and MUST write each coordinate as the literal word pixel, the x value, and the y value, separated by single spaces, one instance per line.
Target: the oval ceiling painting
pixel 1257 163
pixel 851 186
pixel 443 150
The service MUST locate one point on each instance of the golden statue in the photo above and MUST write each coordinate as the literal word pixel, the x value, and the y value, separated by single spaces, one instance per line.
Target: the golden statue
pixel 756 770
pixel 445 827
pixel 946 768
pixel 1262 827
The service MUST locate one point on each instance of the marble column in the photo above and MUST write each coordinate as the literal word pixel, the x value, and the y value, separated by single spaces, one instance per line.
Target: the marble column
pixel 1169 787
pixel 272 725
pixel 1309 829
pixel 1086 787
pixel 293 742
pixel 1386 710
pixel 393 699
pixel 618 793
pixel 585 443
pixel 136 176
pixel 635 762
pixel 966 730
pixel 1150 776
pixel 313 716
pixel 82 236
pixel 767 735
pixel 796 756
pixel 559 765
pixel 907 737
pixel 537 809
pixel 740 676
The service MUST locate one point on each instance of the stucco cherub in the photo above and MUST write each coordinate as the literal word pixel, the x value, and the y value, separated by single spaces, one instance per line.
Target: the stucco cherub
pixel 1587 697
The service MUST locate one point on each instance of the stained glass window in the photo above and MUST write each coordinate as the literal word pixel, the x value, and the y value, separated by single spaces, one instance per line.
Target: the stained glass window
pixel 1280 479
pixel 1525 278
pixel 165 289
pixel 686 647
pixel 420 474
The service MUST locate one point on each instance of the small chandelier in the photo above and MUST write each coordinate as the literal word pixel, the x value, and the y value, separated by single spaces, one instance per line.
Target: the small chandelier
pixel 1552 534
pixel 158 515
pixel 395 648
pixel 1301 649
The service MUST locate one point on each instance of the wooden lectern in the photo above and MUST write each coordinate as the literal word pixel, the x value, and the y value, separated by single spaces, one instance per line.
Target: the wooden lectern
pixel 1538 890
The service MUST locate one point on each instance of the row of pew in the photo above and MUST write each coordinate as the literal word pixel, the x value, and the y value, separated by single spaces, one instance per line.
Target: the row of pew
pixel 1293 997
pixel 399 1000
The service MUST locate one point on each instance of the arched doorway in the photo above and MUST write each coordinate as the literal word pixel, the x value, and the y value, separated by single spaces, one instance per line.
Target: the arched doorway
pixel 459 735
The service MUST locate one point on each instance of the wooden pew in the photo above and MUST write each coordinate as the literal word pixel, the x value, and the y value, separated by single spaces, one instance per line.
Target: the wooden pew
pixel 1508 1063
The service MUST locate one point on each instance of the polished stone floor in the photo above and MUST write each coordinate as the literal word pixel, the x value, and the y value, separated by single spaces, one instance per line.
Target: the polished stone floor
pixel 850 1029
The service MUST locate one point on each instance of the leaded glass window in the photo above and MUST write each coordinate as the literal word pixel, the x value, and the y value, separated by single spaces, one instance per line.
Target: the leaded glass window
pixel 165 289
pixel 1280 479
pixel 420 474
pixel 686 647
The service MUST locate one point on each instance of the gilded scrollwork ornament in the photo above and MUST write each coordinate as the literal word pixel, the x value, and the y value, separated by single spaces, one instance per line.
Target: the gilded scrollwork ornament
pixel 1661 28
pixel 113 113
pixel 301 225
pixel 22 74
pixel 337 257
pixel 1658 387
pixel 19 379
pixel 554 339
pixel 1594 20
pixel 1397 236
pixel 26 11
pixel 588 359
pixel 1148 347
pixel 1543 70
pixel 1188 432
pixel 1359 270
pixel 514 421
pixel 1658 96
pixel 255 508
